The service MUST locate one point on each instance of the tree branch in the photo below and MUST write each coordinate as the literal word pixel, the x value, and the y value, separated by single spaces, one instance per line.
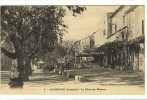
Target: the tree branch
pixel 7 53
pixel 33 54
pixel 15 41
pixel 19 26
pixel 29 34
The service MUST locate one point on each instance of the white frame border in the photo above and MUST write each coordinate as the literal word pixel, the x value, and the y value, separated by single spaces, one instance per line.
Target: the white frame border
pixel 79 2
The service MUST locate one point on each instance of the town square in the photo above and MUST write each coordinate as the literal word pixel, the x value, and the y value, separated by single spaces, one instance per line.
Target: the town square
pixel 73 49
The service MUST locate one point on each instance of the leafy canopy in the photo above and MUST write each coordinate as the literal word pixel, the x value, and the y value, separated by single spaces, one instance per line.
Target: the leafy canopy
pixel 36 27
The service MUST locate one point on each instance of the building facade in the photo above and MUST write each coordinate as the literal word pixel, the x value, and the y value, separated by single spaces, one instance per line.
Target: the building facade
pixel 123 46
pixel 100 35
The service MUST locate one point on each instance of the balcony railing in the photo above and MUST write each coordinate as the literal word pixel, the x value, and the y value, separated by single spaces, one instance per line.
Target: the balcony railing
pixel 120 33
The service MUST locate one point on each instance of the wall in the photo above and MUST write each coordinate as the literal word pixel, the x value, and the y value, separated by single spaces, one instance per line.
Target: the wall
pixel 118 22
pixel 135 18
pixel 101 35
pixel 127 23
pixel 84 44
pixel 6 62
pixel 142 58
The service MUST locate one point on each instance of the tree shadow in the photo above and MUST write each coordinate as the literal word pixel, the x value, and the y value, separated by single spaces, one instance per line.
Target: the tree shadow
pixel 92 75
pixel 48 78
pixel 106 76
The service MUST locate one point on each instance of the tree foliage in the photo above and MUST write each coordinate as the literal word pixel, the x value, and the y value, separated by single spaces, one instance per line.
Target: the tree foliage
pixel 32 30
pixel 37 27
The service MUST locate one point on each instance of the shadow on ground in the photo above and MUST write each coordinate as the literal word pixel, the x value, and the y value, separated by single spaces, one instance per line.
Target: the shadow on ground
pixel 106 76
pixel 48 78
pixel 99 76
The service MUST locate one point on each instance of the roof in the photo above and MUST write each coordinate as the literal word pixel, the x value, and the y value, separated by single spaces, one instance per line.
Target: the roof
pixel 116 11
pixel 121 7
pixel 130 9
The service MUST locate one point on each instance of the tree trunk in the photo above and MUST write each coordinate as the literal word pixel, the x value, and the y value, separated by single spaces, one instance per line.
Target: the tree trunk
pixel 16 76
pixel 17 72
pixel 28 69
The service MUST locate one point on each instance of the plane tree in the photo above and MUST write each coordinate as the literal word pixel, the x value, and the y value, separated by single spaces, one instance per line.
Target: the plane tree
pixel 32 30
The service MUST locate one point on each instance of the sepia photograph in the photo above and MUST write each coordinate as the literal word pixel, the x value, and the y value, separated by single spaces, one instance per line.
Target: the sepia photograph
pixel 73 49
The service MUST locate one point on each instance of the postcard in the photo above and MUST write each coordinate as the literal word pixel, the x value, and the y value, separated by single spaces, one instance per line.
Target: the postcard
pixel 73 49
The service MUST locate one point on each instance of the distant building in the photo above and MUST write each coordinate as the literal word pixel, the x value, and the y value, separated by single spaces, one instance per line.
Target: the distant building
pixel 6 62
pixel 82 45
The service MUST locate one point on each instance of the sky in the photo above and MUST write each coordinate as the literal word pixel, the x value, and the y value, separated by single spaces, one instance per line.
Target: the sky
pixel 86 23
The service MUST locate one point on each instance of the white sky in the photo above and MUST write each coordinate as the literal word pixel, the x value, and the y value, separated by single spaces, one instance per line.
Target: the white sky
pixel 86 23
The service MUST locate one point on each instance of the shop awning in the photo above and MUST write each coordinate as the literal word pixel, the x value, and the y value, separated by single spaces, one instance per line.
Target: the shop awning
pixel 88 54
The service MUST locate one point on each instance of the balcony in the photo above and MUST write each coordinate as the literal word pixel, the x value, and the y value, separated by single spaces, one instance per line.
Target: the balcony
pixel 120 35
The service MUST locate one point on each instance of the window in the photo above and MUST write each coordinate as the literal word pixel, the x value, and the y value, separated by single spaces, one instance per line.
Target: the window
pixel 115 28
pixel 104 32
pixel 143 27
pixel 123 36
pixel 117 38
pixel 124 18
pixel 110 29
